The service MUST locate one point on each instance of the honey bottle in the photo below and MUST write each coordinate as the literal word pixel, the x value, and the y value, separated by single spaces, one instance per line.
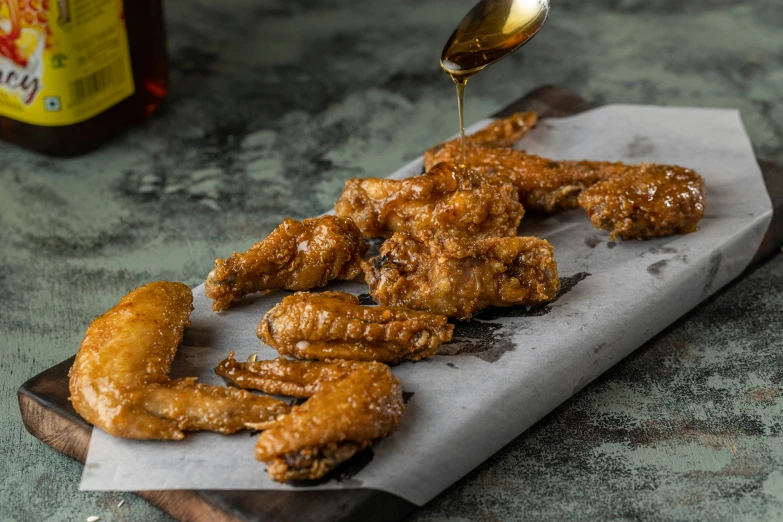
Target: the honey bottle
pixel 75 73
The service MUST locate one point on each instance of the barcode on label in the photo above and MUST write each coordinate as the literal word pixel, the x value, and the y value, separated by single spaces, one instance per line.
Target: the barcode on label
pixel 97 82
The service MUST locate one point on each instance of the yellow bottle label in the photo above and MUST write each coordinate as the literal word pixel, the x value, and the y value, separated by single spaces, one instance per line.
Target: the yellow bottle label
pixel 62 61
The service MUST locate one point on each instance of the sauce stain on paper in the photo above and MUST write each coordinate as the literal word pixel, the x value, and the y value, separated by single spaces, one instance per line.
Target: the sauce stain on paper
pixel 657 267
pixel 639 148
pixel 592 241
pixel 488 340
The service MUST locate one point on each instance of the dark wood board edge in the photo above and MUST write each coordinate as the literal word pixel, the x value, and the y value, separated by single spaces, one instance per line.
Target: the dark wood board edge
pixel 548 101
pixel 48 415
pixel 773 239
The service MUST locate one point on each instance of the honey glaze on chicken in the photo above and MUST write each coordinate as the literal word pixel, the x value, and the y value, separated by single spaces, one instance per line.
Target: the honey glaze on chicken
pixel 646 201
pixel 351 404
pixel 631 201
pixel 295 256
pixel 459 277
pixel 503 132
pixel 545 186
pixel 119 380
pixel 333 325
pixel 447 198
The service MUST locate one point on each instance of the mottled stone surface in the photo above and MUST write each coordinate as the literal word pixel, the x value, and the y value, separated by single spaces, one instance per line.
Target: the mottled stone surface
pixel 274 104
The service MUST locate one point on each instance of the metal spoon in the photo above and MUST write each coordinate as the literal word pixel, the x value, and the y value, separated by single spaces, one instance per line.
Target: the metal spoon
pixel 490 31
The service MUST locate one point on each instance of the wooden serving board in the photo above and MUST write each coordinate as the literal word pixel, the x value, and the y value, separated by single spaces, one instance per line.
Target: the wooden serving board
pixel 49 416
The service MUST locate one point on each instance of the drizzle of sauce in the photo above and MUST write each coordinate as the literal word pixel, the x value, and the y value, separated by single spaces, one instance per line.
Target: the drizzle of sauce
pixel 461 81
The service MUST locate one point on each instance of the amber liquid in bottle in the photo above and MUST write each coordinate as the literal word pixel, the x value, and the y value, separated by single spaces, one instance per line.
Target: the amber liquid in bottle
pixel 149 63
pixel 490 31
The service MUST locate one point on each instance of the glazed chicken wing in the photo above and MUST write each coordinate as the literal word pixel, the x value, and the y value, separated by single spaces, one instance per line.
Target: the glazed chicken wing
pixel 333 325
pixel 459 277
pixel 119 380
pixel 295 256
pixel 448 199
pixel 646 201
pixel 503 132
pixel 350 405
pixel 545 186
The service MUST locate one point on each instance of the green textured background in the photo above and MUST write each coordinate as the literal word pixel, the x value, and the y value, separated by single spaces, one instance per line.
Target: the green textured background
pixel 274 104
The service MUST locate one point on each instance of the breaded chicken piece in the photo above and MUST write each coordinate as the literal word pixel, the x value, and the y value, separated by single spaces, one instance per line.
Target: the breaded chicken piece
pixel 448 199
pixel 119 381
pixel 351 404
pixel 460 277
pixel 545 186
pixel 333 325
pixel 295 256
pixel 503 132
pixel 646 201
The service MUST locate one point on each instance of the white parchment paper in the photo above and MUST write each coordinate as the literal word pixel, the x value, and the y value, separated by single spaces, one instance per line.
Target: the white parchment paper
pixel 508 369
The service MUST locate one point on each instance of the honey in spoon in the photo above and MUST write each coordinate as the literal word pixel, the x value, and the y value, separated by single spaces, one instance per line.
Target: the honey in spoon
pixel 490 31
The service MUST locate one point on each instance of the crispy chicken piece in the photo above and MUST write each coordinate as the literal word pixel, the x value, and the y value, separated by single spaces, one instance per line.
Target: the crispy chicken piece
pixel 459 277
pixel 646 201
pixel 119 380
pixel 448 199
pixel 295 256
pixel 350 405
pixel 503 132
pixel 333 325
pixel 545 186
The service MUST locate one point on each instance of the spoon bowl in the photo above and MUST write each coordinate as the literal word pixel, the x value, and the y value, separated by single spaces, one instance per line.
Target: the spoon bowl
pixel 490 31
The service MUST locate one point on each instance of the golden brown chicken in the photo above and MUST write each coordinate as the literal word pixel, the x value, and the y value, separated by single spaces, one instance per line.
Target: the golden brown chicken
pixel 333 325
pixel 646 201
pixel 119 381
pixel 350 405
pixel 544 185
pixel 459 277
pixel 447 199
pixel 547 186
pixel 503 132
pixel 295 256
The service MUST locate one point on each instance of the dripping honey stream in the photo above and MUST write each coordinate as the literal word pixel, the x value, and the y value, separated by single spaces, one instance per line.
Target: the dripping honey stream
pixel 491 30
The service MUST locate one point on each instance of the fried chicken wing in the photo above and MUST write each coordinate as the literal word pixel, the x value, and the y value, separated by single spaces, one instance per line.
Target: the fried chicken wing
pixel 295 256
pixel 503 132
pixel 350 405
pixel 119 380
pixel 459 277
pixel 333 325
pixel 545 186
pixel 447 199
pixel 631 201
pixel 646 201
